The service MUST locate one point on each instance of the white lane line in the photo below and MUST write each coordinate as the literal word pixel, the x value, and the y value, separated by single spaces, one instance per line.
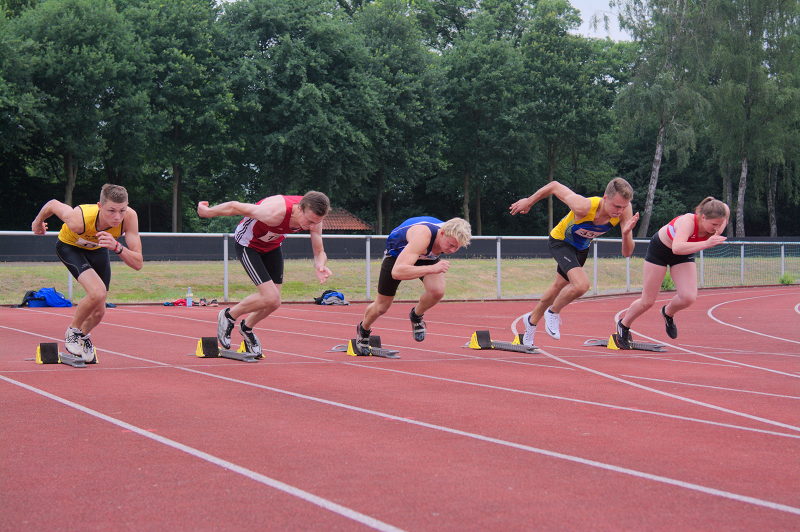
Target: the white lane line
pixel 714 387
pixel 710 313
pixel 225 464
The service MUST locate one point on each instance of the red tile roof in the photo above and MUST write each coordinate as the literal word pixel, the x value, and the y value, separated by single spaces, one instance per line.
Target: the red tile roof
pixel 343 220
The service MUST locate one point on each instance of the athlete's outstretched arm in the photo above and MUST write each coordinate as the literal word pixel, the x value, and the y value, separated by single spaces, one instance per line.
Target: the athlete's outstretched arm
pixel 320 257
pixel 419 237
pixel 578 204
pixel 132 253
pixel 73 217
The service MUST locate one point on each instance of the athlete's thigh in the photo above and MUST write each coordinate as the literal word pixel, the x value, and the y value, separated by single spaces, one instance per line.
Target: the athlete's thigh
pixel 684 275
pixel 434 282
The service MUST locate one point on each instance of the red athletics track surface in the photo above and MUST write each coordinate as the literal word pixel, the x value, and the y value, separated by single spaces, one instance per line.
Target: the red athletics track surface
pixel 704 437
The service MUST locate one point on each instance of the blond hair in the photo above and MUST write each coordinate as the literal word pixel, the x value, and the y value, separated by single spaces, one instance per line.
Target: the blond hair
pixel 459 229
pixel 316 202
pixel 712 208
pixel 113 193
pixel 621 187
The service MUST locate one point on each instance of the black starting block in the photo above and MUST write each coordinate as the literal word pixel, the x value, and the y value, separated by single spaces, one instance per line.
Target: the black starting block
pixel 483 340
pixel 614 343
pixel 374 350
pixel 48 353
pixel 207 347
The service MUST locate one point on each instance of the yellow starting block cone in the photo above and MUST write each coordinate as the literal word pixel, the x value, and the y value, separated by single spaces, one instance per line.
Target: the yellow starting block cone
pixel 351 348
pixel 517 340
pixel 612 344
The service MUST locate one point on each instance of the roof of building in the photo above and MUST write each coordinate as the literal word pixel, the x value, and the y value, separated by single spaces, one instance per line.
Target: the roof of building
pixel 340 219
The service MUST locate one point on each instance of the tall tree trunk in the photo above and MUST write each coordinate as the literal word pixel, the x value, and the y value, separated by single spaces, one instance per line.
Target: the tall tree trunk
pixel 740 199
pixel 772 191
pixel 655 168
pixel 71 173
pixel 465 203
pixel 379 201
pixel 478 218
pixel 727 195
pixel 387 210
pixel 551 170
pixel 177 175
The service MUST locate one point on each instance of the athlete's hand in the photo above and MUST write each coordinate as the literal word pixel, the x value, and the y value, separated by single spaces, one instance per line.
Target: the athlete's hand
pixel 521 206
pixel 203 210
pixel 106 240
pixel 442 266
pixel 630 224
pixel 322 273
pixel 39 228
pixel 713 240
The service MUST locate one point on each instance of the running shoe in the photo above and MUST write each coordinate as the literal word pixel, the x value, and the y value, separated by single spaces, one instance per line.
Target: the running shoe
pixel 552 324
pixel 623 336
pixel 224 328
pixel 250 340
pixel 73 341
pixel 417 326
pixel 530 331
pixel 87 349
pixel 362 338
pixel 669 324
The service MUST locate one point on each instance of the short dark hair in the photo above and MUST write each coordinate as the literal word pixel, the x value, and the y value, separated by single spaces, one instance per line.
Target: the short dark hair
pixel 621 187
pixel 113 193
pixel 316 202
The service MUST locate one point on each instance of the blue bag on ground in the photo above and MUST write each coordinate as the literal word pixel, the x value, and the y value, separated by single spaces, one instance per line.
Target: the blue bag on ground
pixel 331 297
pixel 46 297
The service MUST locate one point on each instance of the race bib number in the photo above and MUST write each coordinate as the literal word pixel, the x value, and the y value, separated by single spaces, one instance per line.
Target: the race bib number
pixel 586 233
pixel 270 236
pixel 88 244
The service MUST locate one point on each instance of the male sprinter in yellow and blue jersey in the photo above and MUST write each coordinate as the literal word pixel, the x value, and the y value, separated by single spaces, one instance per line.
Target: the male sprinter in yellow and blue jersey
pixel 89 231
pixel 569 243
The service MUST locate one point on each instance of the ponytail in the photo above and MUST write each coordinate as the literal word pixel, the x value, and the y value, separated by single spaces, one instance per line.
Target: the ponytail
pixel 712 208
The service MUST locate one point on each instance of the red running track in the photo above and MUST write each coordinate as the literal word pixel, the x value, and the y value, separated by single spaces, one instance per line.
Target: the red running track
pixel 705 436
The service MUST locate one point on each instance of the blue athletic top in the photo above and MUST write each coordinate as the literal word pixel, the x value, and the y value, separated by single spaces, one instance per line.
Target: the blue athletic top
pixel 397 240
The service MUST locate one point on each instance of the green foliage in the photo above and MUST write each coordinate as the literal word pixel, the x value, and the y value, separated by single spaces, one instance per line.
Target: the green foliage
pixel 667 284
pixel 786 279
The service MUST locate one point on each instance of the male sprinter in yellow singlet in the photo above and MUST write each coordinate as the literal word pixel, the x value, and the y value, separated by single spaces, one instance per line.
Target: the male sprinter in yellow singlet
pixel 569 243
pixel 89 231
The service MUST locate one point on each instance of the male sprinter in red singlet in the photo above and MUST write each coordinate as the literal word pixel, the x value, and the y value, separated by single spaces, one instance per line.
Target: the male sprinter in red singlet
pixel 674 246
pixel 569 243
pixel 89 231
pixel 258 246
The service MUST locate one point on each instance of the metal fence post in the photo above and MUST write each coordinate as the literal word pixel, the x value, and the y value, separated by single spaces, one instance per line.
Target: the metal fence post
pixel 741 267
pixel 627 274
pixel 225 267
pixel 69 286
pixel 783 261
pixel 702 270
pixel 367 246
pixel 499 269
pixel 594 247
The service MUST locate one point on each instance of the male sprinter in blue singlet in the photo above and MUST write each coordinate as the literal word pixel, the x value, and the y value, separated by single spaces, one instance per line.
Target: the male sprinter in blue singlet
pixel 88 233
pixel 569 243
pixel 412 251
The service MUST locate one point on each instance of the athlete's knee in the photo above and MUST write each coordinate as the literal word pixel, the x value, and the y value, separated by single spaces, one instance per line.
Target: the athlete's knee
pixel 646 301
pixel 687 298
pixel 581 286
pixel 270 302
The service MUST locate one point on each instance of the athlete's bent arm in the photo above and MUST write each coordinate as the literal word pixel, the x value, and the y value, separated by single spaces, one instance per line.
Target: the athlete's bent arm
pixel 419 237
pixel 320 257
pixel 72 216
pixel 684 227
pixel 131 254
pixel 627 222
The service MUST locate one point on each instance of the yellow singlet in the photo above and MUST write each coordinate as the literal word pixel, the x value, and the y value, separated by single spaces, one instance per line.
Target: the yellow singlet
pixel 87 239
pixel 580 233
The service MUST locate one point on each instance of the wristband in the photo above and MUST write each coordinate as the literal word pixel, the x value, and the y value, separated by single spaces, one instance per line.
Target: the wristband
pixel 119 247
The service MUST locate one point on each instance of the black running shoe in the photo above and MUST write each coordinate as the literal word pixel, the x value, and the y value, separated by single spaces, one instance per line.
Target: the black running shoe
pixel 623 336
pixel 224 328
pixel 669 322
pixel 417 326
pixel 362 338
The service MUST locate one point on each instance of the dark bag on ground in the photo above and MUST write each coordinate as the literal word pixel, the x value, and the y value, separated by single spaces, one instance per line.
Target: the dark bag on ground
pixel 331 297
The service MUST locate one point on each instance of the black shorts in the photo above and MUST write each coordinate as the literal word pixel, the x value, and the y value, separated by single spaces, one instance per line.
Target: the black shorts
pixel 567 256
pixel 261 267
pixel 659 254
pixel 78 260
pixel 387 285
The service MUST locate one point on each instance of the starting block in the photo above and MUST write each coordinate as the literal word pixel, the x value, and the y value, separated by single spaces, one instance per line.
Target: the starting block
pixel 48 353
pixel 374 349
pixel 614 343
pixel 207 347
pixel 483 340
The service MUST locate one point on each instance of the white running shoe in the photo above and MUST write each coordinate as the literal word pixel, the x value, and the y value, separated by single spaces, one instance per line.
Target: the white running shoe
pixel 88 349
pixel 552 324
pixel 250 340
pixel 530 331
pixel 224 328
pixel 73 341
